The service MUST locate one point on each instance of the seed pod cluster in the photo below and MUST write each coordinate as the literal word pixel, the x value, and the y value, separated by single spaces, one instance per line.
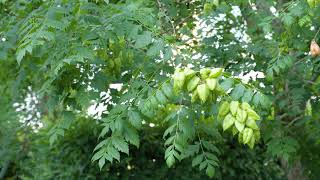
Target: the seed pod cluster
pixel 242 119
pixel 202 85
pixel 313 3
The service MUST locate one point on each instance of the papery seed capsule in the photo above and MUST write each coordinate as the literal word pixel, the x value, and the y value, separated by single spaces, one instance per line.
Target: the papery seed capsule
pixel 178 80
pixel 224 109
pixel 314 49
pixel 215 72
pixel 205 73
pixel 203 92
pixel 228 122
pixel 189 73
pixel 234 105
pixel 194 96
pixel 247 135
pixel 193 83
pixel 212 83
pixel 252 114
pixel 252 124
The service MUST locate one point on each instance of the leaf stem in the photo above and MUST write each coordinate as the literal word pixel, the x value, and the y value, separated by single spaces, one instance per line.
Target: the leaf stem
pixel 201 146
pixel 315 36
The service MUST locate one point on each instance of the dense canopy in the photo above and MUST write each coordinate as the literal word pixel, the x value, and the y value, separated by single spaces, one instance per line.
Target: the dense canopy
pixel 159 89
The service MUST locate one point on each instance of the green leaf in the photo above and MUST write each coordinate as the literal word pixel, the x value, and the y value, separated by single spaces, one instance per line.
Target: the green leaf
pixel 98 155
pixel 161 97
pixel 68 118
pixel 197 160
pixel 238 92
pixel 143 40
pixel 287 19
pixel 155 49
pixel 120 144
pixel 170 161
pixel 210 171
pixel 167 90
pixel 247 95
pixel 132 136
pixel 227 83
pixel 20 54
pixel 203 165
pixel 113 153
pixel 102 161
pixel 134 119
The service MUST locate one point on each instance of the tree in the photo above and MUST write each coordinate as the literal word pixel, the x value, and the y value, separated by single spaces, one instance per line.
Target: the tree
pixel 184 95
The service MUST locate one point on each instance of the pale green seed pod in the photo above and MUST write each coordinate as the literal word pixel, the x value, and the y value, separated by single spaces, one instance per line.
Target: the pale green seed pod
pixel 215 72
pixel 193 83
pixel 212 83
pixel 247 135
pixel 234 105
pixel 203 92
pixel 224 109
pixel 228 122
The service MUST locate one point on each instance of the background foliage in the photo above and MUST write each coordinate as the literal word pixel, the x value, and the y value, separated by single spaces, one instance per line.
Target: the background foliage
pixel 60 58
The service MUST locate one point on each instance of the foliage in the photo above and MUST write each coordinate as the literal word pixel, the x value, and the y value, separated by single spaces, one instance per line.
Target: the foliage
pixel 182 98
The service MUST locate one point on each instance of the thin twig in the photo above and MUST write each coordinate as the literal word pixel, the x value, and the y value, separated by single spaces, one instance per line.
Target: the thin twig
pixel 315 36
pixel 294 120
pixel 167 17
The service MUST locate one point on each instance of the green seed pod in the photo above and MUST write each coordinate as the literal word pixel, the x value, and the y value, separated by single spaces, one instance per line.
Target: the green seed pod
pixel 194 96
pixel 312 3
pixel 240 137
pixel 256 135
pixel 189 73
pixel 224 109
pixel 245 106
pixel 247 135
pixel 203 92
pixel 178 80
pixel 219 89
pixel 111 64
pixel 252 114
pixel 205 73
pixel 228 122
pixel 234 106
pixel 234 131
pixel 241 115
pixel 252 124
pixel 213 97
pixel 239 126
pixel 212 83
pixel 251 142
pixel 215 72
pixel 193 83
pixel 216 3
pixel 207 8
